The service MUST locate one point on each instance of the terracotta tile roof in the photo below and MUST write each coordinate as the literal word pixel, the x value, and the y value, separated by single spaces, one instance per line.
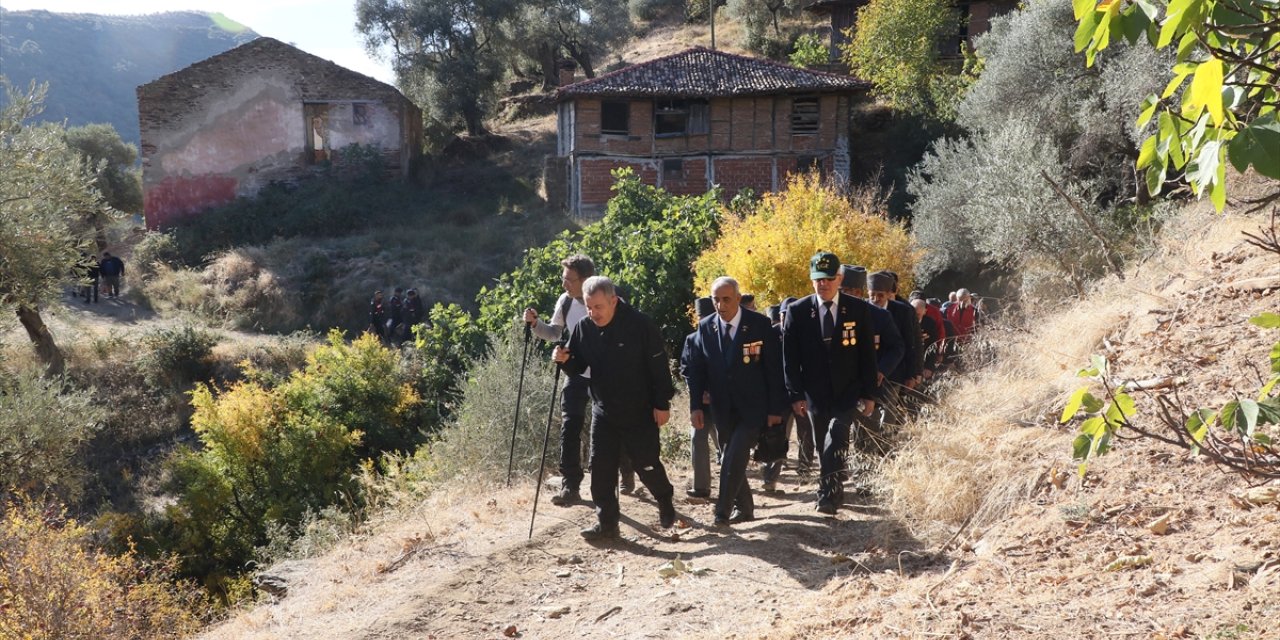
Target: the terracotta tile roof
pixel 701 72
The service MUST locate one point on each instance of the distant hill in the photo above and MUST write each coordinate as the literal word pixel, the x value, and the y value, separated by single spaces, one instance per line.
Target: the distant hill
pixel 93 63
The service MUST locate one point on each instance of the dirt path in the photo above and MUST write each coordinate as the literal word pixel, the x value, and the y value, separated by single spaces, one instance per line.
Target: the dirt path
pixel 482 576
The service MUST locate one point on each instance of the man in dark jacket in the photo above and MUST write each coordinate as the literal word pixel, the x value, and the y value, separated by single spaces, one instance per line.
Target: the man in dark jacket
pixel 703 435
pixel 414 313
pixel 112 269
pixel 906 375
pixel 378 316
pixel 395 315
pixel 631 394
pixel 736 357
pixel 829 364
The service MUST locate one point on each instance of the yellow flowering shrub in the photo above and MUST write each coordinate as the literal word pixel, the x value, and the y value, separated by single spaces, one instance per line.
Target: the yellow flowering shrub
pixel 55 584
pixel 767 250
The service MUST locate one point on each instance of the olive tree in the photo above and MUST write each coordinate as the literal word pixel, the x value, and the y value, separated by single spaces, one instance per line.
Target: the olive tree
pixel 44 190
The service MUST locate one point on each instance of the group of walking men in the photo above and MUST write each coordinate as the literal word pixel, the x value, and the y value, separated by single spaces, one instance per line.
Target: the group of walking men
pixel 93 274
pixel 393 320
pixel 836 362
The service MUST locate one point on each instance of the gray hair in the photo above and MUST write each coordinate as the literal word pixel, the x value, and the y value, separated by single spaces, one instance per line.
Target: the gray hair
pixel 723 281
pixel 598 284
pixel 961 294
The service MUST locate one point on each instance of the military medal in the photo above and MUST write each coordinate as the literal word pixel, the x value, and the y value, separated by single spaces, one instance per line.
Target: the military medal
pixel 746 359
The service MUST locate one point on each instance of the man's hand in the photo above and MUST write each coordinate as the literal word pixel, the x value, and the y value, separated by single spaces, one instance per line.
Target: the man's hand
pixel 661 416
pixel 706 397
pixel 530 316
pixel 697 419
pixel 912 383
pixel 868 406
pixel 879 378
pixel 800 408
pixel 775 421
pixel 560 355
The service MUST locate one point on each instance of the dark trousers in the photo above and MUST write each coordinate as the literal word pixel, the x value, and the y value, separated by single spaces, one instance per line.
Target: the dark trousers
pixel 639 440
pixel 770 471
pixel 89 291
pixel 701 441
pixel 804 438
pixel 112 284
pixel 831 432
pixel 739 437
pixel 573 416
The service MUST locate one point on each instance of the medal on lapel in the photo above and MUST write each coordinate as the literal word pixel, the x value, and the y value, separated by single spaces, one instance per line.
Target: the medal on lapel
pixel 848 334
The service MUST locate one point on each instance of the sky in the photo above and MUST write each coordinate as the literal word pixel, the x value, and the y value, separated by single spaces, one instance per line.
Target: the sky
pixel 325 28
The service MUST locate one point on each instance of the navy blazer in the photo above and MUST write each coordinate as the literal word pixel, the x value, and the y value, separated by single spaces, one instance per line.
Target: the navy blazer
pixel 746 382
pixel 833 377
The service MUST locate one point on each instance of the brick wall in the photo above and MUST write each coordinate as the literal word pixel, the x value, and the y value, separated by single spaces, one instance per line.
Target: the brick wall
pixel 229 125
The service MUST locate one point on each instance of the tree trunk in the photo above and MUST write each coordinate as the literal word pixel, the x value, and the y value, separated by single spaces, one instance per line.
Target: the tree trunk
pixel 550 71
pixel 46 348
pixel 475 121
pixel 584 60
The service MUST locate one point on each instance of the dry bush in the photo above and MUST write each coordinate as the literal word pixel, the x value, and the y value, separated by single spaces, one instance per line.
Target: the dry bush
pixel 974 454
pixel 55 585
pixel 249 294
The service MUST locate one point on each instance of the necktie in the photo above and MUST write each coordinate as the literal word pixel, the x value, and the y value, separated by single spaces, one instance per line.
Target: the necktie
pixel 828 324
pixel 726 342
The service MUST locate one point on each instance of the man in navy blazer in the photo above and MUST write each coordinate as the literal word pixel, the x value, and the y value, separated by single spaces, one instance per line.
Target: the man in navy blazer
pixel 736 357
pixel 829 364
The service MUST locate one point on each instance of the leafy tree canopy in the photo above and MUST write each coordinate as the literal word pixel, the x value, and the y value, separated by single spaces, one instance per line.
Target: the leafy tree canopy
pixel 1230 52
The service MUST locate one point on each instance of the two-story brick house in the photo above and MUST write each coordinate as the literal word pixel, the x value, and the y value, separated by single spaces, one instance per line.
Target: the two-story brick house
pixel 695 119
pixel 262 112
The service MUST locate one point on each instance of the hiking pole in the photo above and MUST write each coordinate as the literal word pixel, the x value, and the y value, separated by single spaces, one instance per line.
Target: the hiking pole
pixel 515 422
pixel 546 437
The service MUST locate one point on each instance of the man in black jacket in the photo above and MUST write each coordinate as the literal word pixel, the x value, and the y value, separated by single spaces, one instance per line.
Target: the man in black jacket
pixel 631 394
pixel 736 357
pixel 908 372
pixel 829 364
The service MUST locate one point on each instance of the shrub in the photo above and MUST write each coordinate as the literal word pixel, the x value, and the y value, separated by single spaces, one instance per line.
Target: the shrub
pixel 154 249
pixel 444 349
pixel 54 584
pixel 271 455
pixel 177 357
pixel 809 51
pixel 43 425
pixel 646 243
pixel 768 250
pixel 249 294
pixel 653 9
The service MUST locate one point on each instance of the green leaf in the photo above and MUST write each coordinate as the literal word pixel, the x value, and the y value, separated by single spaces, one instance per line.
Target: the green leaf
pixel 1080 447
pixel 1147 153
pixel 1206 91
pixel 1085 30
pixel 1198 424
pixel 1266 320
pixel 1265 391
pixel 1258 145
pixel 1262 439
pixel 1083 8
pixel 1204 169
pixel 1275 358
pixel 1094 427
pixel 1218 192
pixel 1174 18
pixel 1091 403
pixel 1134 24
pixel 1227 417
pixel 1073 404
pixel 1249 411
pixel 1149 107
pixel 1121 410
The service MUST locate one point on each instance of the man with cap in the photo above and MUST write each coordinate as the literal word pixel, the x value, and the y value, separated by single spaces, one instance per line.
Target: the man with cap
pixel 631 394
pixel 829 364
pixel 889 345
pixel 907 373
pixel 737 358
pixel 701 436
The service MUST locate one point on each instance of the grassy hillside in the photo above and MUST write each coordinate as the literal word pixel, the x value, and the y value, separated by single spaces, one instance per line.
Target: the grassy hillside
pixel 93 63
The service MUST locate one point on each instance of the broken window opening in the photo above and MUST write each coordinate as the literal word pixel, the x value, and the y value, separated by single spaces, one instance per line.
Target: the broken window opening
pixel 680 117
pixel 317 133
pixel 615 118
pixel 673 169
pixel 804 116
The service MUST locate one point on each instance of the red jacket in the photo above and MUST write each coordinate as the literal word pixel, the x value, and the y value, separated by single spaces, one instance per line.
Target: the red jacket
pixel 963 318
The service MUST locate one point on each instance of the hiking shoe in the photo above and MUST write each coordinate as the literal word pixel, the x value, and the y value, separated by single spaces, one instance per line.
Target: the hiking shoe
pixel 827 506
pixel 692 493
pixel 566 496
pixel 770 487
pixel 666 512
pixel 628 485
pixel 721 521
pixel 599 531
pixel 740 516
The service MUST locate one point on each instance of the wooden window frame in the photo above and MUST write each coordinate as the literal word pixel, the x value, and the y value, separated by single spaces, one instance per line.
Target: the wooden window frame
pixel 806 115
pixel 685 117
pixel 611 105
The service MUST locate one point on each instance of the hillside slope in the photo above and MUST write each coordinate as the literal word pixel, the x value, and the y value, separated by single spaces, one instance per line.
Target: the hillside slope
pixel 93 63
pixel 1028 562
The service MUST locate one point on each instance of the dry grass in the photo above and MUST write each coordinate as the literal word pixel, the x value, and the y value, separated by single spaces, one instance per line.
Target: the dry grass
pixel 985 447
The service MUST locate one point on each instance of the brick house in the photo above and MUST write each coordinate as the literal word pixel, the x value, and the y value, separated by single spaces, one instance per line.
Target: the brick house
pixel 695 119
pixel 263 112
pixel 975 20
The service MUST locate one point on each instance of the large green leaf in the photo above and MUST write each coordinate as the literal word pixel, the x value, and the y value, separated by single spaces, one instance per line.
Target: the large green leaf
pixel 1198 424
pixel 1080 447
pixel 1266 320
pixel 1121 409
pixel 1204 169
pixel 1258 146
pixel 1073 404
pixel 1174 21
pixel 1206 91
pixel 1249 412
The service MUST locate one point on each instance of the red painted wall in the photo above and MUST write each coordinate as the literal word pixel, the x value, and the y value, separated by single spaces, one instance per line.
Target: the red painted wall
pixel 175 198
